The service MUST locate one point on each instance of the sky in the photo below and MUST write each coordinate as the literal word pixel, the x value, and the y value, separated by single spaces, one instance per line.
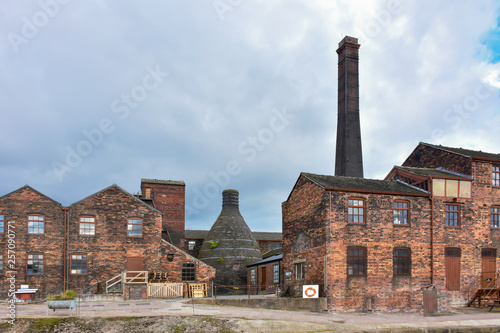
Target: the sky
pixel 234 94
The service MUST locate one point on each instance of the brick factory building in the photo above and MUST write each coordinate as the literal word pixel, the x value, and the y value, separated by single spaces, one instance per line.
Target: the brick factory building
pixel 375 244
pixel 432 226
pixel 95 239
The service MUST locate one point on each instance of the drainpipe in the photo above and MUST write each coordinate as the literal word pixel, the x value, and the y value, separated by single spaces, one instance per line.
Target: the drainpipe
pixel 65 244
pixel 431 242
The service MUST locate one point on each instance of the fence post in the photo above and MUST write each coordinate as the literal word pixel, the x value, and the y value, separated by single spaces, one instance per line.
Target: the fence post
pixel 215 293
pixel 248 290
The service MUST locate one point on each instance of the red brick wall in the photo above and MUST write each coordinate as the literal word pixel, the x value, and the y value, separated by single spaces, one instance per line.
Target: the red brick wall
pixel 16 207
pixel 108 250
pixel 304 234
pixel 170 200
pixel 267 286
pixel 428 157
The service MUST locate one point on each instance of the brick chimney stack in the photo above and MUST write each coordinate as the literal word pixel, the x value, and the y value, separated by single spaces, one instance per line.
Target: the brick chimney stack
pixel 348 159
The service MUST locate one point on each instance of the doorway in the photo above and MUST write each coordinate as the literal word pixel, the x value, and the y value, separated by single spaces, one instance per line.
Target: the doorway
pixel 263 283
pixel 489 268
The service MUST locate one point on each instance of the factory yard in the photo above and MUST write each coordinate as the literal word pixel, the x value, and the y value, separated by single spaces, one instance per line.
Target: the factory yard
pixel 184 315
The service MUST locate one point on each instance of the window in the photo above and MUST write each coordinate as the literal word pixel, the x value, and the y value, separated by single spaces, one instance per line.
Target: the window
pixel 276 273
pixel 188 271
pixel 170 257
pixel 1 264
pixel 356 211
pixel 252 276
pixel 496 176
pixel 78 264
pixel 35 224
pixel 452 214
pixel 451 188
pixel 87 226
pixel 300 271
pixel 356 261
pixel 276 246
pixel 191 244
pixel 402 261
pixel 495 217
pixel 452 268
pixel 135 228
pixel 401 212
pixel 35 264
pixel 1 223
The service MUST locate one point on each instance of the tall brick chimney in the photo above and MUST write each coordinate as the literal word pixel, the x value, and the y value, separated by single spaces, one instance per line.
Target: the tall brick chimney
pixel 348 158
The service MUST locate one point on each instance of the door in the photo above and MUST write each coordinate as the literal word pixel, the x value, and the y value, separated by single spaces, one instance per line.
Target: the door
pixel 452 264
pixel 489 258
pixel 264 279
pixel 134 264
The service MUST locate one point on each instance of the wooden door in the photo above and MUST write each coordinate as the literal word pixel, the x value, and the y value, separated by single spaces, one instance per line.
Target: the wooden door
pixel 134 264
pixel 452 269
pixel 489 258
pixel 264 279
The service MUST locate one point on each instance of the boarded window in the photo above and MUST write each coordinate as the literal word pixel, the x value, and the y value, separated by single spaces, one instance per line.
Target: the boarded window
pixel 465 189
pixel 438 186
pixel 452 269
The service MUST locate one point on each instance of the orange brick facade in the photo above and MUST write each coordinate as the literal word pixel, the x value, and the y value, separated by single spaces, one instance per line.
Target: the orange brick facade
pixel 317 233
pixel 74 256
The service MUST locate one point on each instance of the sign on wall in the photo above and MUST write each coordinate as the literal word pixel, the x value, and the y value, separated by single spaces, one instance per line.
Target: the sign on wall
pixel 310 291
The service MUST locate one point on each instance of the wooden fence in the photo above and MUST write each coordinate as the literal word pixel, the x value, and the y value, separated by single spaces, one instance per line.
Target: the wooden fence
pixel 165 290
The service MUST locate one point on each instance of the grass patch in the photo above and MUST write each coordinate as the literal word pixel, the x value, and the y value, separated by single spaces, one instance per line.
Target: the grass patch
pixel 191 324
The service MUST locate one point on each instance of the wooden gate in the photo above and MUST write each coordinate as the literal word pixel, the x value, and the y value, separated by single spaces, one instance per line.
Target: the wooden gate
pixel 165 290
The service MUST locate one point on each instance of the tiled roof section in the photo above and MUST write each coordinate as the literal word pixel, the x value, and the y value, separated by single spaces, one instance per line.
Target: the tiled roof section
pixel 363 184
pixel 161 181
pixel 259 236
pixel 195 234
pixel 272 253
pixel 465 152
pixel 269 259
pixel 268 236
pixel 435 172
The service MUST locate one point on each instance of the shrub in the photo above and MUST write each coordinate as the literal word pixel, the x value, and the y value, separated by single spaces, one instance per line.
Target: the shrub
pixel 69 294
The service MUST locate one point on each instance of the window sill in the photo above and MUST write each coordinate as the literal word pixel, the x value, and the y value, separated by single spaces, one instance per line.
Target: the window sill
pixel 402 225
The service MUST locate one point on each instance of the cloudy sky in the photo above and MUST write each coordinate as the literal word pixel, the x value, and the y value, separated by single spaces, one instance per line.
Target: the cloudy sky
pixel 233 93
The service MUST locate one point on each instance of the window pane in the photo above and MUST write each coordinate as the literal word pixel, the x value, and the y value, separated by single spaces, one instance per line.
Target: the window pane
pixel 438 187
pixel 451 188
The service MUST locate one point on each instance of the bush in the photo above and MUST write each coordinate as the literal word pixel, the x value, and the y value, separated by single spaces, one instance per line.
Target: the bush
pixel 69 294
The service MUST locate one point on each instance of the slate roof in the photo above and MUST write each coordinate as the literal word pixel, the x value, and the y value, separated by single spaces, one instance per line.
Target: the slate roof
pixel 435 172
pixel 465 152
pixel 270 259
pixel 162 181
pixel 363 184
pixel 259 236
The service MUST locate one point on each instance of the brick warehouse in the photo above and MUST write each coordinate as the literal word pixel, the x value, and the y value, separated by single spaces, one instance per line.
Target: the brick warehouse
pixel 94 239
pixel 384 240
pixel 430 225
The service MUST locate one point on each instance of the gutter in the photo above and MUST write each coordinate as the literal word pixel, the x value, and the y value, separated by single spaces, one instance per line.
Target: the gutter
pixel 65 245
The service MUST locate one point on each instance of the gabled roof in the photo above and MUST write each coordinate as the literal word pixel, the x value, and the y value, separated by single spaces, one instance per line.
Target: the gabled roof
pixel 32 189
pixel 363 184
pixel 465 152
pixel 124 192
pixel 434 172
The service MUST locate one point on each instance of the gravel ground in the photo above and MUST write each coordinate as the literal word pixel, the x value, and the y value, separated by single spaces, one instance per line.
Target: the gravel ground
pixel 184 316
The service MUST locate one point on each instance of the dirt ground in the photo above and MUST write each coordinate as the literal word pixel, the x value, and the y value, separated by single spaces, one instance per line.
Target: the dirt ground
pixel 182 315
